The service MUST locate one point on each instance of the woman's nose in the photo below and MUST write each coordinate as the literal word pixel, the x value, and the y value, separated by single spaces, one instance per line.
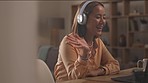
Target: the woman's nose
pixel 102 21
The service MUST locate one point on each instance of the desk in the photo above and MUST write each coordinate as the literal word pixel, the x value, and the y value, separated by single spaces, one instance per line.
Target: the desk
pixel 101 79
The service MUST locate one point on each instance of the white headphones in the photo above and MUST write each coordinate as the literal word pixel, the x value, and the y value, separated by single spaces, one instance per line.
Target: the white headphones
pixel 82 18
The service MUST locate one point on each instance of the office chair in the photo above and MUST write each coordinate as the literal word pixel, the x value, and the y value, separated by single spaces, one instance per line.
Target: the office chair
pixel 44 73
pixel 43 51
pixel 51 59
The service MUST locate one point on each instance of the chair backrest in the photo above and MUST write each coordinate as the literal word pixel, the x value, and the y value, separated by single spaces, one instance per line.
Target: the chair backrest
pixel 52 58
pixel 44 73
pixel 43 51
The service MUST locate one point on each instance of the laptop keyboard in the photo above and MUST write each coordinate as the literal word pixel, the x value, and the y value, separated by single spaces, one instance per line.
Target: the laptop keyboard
pixel 125 79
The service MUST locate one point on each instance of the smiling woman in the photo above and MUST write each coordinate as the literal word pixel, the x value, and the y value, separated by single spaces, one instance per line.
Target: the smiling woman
pixel 82 53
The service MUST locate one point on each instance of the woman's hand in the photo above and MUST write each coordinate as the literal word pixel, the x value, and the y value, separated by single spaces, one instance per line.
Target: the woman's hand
pixel 84 52
pixel 101 71
pixel 97 72
pixel 92 73
pixel 81 44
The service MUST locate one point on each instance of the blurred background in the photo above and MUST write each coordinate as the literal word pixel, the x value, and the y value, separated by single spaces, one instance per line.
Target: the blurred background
pixel 24 27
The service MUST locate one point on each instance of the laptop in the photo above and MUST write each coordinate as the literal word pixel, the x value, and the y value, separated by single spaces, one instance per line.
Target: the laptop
pixel 136 77
pixel 125 79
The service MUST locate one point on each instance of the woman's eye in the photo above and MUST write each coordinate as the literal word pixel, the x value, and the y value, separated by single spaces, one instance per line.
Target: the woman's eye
pixel 98 17
pixel 104 17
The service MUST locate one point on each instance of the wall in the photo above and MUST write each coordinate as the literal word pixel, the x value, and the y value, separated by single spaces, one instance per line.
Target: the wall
pixel 18 41
pixel 51 9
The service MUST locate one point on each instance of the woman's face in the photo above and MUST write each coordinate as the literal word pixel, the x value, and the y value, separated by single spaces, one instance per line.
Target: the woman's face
pixel 96 21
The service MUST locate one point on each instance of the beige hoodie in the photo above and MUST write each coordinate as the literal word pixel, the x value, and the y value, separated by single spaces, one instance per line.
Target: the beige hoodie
pixel 68 67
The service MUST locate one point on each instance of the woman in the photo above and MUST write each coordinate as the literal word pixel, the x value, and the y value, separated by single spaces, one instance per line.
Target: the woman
pixel 82 53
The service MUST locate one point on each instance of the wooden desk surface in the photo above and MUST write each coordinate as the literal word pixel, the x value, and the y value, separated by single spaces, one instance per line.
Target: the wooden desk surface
pixel 101 79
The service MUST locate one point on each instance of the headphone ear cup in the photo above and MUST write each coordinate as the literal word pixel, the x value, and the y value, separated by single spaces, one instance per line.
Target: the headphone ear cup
pixel 84 19
pixel 81 19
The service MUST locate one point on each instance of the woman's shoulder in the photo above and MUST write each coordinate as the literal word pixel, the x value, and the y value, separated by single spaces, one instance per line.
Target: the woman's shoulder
pixel 68 38
pixel 98 40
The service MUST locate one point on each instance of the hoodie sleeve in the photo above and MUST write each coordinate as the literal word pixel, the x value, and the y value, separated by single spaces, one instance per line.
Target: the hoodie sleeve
pixel 108 62
pixel 69 54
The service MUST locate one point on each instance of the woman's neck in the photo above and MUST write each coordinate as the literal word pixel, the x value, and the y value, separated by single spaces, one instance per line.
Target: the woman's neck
pixel 89 39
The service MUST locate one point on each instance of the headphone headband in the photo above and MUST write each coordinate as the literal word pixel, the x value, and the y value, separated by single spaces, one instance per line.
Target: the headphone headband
pixel 83 7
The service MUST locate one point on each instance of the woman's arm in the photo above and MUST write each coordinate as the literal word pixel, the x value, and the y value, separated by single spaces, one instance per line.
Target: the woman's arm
pixel 75 67
pixel 110 65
